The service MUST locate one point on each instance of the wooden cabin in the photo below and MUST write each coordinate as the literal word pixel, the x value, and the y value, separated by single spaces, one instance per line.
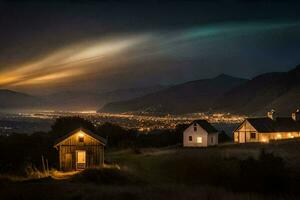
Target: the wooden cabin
pixel 200 133
pixel 265 129
pixel 80 149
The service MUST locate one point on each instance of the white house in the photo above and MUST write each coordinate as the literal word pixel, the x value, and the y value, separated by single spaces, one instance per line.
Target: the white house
pixel 200 133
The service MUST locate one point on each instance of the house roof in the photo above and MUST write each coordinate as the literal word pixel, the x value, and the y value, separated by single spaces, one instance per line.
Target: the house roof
pixel 206 126
pixel 281 124
pixel 93 135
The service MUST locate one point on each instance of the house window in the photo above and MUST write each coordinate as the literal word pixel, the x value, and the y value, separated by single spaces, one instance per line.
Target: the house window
pixel 252 135
pixel 190 138
pixel 212 139
pixel 195 128
pixel 199 139
pixel 80 138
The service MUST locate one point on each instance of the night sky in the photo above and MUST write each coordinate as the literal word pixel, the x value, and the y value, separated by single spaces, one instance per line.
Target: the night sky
pixel 104 45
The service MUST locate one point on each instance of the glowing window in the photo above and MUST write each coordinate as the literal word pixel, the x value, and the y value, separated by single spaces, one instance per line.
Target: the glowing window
pixel 253 135
pixel 199 139
pixel 81 138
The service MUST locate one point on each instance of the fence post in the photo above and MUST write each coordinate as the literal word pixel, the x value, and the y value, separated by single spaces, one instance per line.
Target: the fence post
pixel 43 163
pixel 47 167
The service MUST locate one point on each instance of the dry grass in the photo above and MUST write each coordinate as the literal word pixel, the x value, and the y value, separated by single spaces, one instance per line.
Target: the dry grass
pixel 153 173
pixel 79 191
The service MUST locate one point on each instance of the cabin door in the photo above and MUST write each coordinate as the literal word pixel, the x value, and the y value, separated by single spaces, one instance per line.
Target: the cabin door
pixel 242 137
pixel 68 161
pixel 80 160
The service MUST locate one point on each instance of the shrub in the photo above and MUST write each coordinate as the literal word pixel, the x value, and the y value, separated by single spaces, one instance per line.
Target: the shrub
pixel 266 174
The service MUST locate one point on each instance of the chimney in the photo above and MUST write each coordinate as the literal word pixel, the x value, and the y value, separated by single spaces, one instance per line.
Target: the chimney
pixel 296 115
pixel 272 114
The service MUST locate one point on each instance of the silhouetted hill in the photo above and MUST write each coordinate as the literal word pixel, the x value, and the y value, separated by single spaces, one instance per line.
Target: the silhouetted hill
pixel 11 99
pixel 70 100
pixel 188 97
pixel 79 100
pixel 279 91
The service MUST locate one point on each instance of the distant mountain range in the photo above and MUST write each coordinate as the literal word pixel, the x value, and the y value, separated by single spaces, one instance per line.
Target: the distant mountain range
pixel 278 90
pixel 79 100
pixel 70 100
pixel 12 99
pixel 224 93
pixel 188 97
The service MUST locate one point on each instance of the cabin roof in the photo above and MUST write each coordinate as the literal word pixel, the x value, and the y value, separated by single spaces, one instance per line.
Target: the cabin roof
pixel 93 135
pixel 280 124
pixel 206 126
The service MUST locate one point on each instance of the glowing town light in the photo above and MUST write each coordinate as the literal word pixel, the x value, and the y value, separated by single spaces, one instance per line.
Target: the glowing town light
pixel 264 140
pixel 278 136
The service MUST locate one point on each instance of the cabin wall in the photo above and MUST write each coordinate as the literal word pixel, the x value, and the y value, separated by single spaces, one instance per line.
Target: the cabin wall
pixel 74 140
pixel 266 137
pixel 67 151
pixel 94 156
pixel 243 133
pixel 199 133
pixel 212 139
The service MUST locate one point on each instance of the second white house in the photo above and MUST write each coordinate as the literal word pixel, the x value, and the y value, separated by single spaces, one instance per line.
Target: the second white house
pixel 200 133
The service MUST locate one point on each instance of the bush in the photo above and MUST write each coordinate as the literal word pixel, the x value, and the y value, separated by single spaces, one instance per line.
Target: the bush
pixel 266 174
pixel 223 137
pixel 206 168
pixel 19 150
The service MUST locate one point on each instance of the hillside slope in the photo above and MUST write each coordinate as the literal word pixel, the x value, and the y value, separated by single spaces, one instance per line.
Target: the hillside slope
pixel 85 100
pixel 11 99
pixel 188 97
pixel 279 91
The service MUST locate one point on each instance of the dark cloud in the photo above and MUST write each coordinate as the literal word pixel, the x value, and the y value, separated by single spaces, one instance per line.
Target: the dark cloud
pixel 183 44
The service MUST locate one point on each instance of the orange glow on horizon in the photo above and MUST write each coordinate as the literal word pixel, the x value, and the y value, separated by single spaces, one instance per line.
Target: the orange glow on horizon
pixel 69 62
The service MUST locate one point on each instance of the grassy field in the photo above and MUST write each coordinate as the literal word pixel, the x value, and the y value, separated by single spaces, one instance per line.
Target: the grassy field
pixel 173 173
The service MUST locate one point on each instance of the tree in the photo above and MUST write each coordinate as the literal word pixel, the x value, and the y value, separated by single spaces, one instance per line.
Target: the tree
pixel 116 135
pixel 65 125
pixel 223 137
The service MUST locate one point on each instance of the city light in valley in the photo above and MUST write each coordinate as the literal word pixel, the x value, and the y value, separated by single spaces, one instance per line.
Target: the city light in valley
pixel 141 122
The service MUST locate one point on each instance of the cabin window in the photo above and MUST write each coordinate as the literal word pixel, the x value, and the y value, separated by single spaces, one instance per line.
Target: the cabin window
pixel 80 138
pixel 190 138
pixel 253 135
pixel 199 139
pixel 212 139
pixel 195 128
